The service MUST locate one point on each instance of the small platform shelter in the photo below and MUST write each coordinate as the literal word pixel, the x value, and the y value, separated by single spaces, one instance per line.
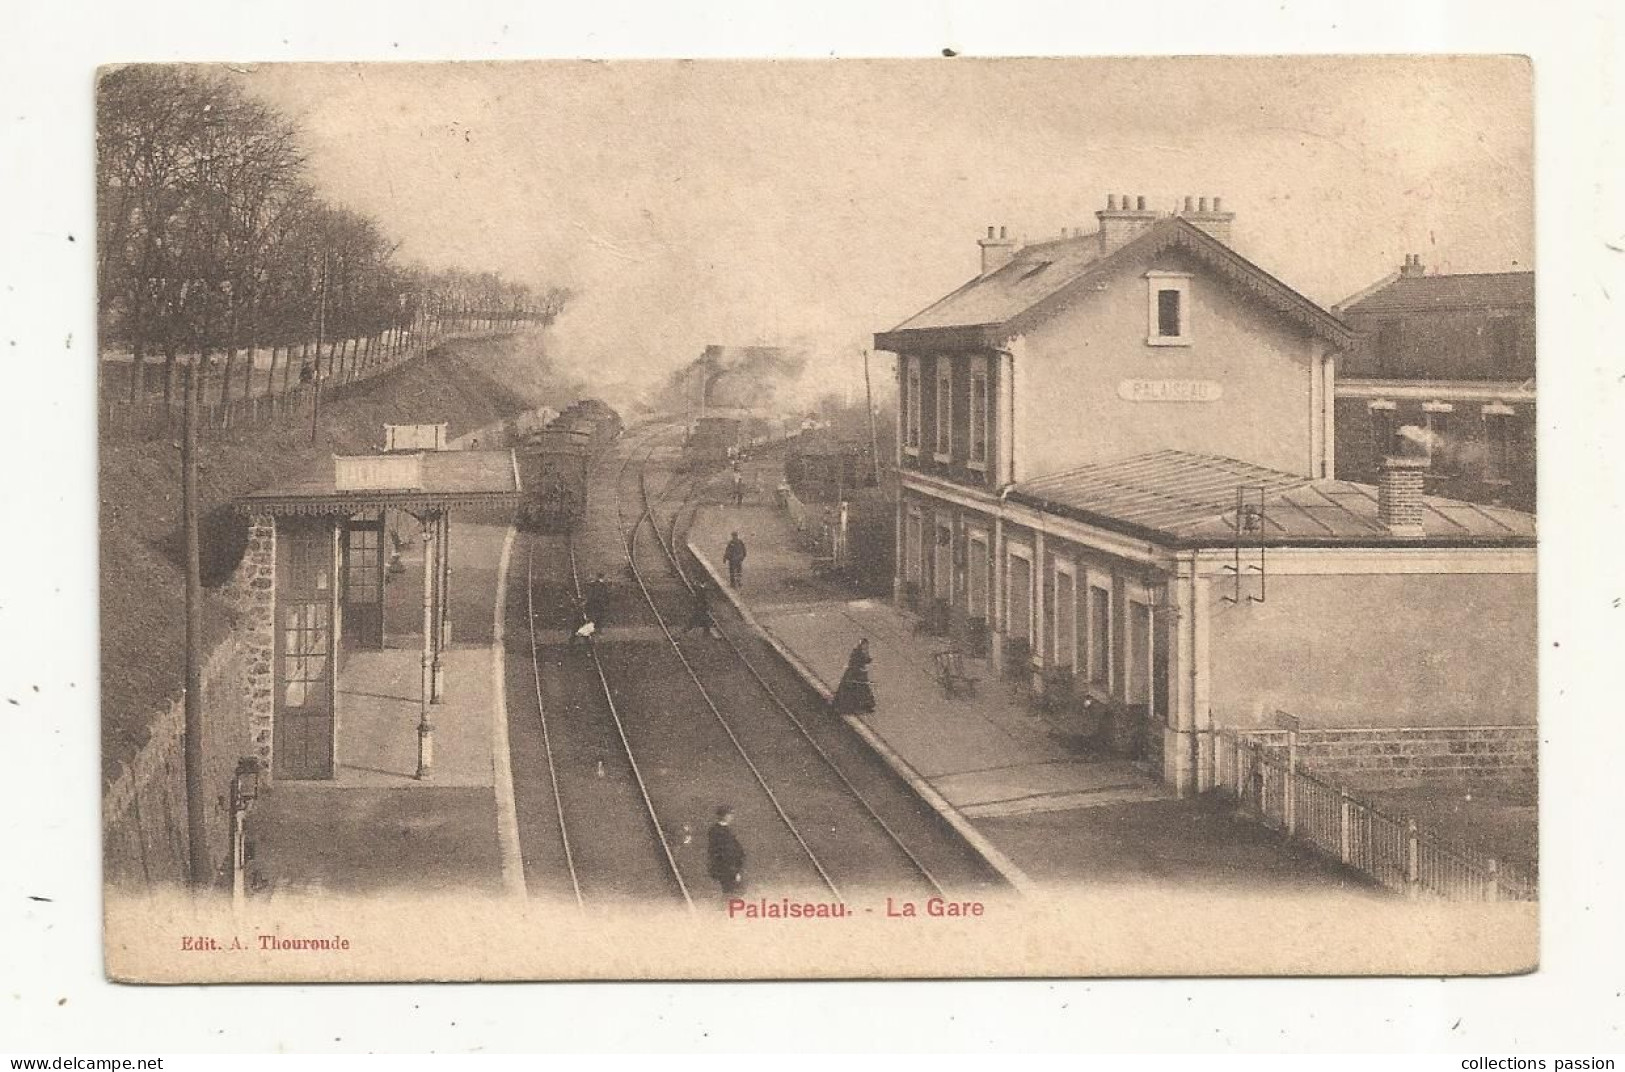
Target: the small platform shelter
pixel 316 575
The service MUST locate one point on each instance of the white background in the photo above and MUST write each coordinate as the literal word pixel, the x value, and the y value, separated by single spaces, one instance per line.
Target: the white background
pixel 52 997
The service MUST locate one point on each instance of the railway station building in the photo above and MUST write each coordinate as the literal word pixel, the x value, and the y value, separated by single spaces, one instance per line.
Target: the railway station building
pixel 1117 459
pixel 317 556
pixel 1453 358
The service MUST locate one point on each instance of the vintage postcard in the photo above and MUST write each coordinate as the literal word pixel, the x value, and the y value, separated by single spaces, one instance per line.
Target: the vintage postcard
pixel 917 518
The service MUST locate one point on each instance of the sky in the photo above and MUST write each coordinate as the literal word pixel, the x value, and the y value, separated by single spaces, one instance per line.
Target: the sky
pixel 816 203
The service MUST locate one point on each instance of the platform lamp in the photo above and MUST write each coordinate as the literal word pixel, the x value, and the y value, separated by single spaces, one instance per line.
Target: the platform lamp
pixel 1163 606
pixel 245 789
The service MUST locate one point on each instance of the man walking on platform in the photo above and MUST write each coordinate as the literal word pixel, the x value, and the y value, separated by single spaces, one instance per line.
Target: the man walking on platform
pixel 725 857
pixel 735 557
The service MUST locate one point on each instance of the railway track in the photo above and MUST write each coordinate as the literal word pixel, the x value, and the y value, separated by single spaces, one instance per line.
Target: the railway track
pixel 855 819
pixel 589 834
pixel 631 740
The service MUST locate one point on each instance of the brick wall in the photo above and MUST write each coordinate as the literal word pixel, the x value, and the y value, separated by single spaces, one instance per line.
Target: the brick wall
pixel 1394 757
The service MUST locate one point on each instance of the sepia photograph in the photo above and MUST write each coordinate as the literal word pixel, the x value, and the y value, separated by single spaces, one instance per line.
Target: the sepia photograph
pixel 916 518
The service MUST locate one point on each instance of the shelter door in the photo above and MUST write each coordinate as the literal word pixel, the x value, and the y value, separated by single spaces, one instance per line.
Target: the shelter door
pixel 1019 623
pixel 303 738
pixel 364 584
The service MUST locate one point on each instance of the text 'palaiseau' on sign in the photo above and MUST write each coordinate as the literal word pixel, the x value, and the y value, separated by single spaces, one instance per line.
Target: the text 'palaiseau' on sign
pixel 1169 391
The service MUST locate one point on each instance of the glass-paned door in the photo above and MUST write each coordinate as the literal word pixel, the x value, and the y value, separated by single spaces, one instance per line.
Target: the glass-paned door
pixel 303 734
pixel 364 584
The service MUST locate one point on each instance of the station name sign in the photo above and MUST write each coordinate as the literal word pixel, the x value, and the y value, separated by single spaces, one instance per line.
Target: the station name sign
pixel 1169 391
pixel 378 472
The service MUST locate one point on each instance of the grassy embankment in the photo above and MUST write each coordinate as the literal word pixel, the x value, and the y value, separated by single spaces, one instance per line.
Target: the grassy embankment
pixel 465 383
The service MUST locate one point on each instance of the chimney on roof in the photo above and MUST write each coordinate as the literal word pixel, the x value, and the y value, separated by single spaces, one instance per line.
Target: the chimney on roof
pixel 1412 268
pixel 1215 221
pixel 997 249
pixel 1399 487
pixel 1121 220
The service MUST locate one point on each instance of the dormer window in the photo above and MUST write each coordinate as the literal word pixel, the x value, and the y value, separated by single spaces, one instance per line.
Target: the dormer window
pixel 1169 308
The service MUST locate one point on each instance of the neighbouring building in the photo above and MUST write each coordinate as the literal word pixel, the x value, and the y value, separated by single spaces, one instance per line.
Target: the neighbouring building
pixel 1116 455
pixel 1453 358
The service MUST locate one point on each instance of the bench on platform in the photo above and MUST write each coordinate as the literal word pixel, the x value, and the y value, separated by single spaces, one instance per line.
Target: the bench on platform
pixel 952 675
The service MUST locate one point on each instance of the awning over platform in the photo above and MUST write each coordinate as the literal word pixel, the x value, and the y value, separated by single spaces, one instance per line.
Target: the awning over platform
pixel 432 481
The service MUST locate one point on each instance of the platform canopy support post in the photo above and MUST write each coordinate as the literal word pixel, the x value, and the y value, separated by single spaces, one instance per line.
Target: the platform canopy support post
pixel 426 684
pixel 442 637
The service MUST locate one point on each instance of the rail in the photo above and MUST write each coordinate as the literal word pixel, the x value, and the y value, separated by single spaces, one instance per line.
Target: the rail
pixel 629 541
pixel 626 744
pixel 541 714
pixel 1395 851
pixel 668 545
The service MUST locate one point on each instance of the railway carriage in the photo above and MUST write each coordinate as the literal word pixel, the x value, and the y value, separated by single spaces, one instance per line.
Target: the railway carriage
pixel 554 462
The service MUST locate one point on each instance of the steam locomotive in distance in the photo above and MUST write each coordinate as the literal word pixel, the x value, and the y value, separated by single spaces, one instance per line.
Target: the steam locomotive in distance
pixel 554 461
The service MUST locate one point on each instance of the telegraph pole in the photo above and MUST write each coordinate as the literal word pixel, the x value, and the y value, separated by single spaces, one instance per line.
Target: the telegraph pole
pixel 869 397
pixel 316 374
pixel 197 832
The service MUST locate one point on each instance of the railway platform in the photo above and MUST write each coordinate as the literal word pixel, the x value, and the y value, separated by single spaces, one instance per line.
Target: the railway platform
pixel 375 825
pixel 1039 811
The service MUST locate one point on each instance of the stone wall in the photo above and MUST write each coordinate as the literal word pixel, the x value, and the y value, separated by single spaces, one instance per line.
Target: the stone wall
pixel 1397 757
pixel 255 585
pixel 144 838
pixel 144 810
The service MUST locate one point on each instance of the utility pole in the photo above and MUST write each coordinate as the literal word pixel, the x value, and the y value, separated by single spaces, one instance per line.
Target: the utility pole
pixel 316 374
pixel 197 832
pixel 869 398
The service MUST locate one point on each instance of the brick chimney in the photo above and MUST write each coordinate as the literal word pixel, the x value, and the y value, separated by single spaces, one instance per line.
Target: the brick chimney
pixel 997 249
pixel 1121 222
pixel 1215 221
pixel 1412 268
pixel 1399 488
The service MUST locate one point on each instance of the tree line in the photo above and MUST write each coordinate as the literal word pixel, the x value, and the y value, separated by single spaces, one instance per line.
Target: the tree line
pixel 212 244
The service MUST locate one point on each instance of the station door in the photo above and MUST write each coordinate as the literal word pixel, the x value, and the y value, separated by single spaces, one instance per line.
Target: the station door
pixel 364 584
pixel 303 738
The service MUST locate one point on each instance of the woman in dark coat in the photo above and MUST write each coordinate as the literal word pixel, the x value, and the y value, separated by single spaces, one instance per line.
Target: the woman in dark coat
pixel 854 696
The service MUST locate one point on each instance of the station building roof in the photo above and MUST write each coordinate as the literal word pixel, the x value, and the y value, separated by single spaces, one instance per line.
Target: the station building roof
pixel 426 481
pixel 1435 293
pixel 1188 500
pixel 1041 278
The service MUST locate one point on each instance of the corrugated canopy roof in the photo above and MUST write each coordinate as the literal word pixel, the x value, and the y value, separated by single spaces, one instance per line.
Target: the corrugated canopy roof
pixel 448 479
pixel 1430 292
pixel 1190 499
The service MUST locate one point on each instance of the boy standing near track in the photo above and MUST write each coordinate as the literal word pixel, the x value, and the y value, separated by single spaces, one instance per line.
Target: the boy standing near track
pixel 598 601
pixel 699 609
pixel 725 857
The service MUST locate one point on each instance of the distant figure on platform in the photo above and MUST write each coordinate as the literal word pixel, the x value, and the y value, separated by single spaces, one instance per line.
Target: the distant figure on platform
pixel 597 601
pixel 306 373
pixel 725 857
pixel 854 695
pixel 739 487
pixel 735 557
pixel 699 609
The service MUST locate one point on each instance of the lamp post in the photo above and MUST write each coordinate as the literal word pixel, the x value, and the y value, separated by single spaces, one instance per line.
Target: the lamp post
pixel 245 789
